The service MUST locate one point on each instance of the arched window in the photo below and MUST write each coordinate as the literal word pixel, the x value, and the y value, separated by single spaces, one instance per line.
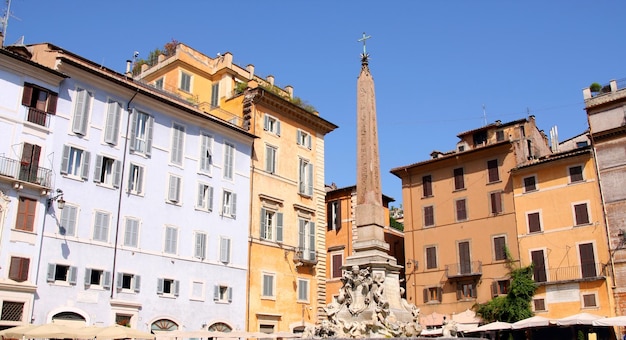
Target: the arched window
pixel 220 327
pixel 164 325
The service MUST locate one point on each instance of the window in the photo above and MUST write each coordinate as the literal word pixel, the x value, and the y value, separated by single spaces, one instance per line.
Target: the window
pixel 496 202
pixel 108 171
pixel 303 290
pixel 177 148
pixel 589 300
pixel 333 215
pixel 40 103
pixel 67 223
pixel 26 214
pixel 96 277
pixel 270 159
pixel 185 81
pixel 465 290
pixel 123 319
pixel 59 273
pixel 224 250
pixel 306 239
pixel 112 125
pixel 159 83
pixel 581 214
pixel 131 232
pixel 429 216
pixel 135 179
pixel 539 305
pixel 587 260
pixel 271 124
pixel 205 197
pixel 480 138
pixel 215 95
pixel 222 294
pixel 128 282
pixel 29 164
pixel 305 178
pixel 12 311
pixel 427 185
pixel 271 225
pixel 200 240
pixel 499 135
pixel 206 152
pixel 459 182
pixel 229 160
pixel 499 248
pixel 461 210
pixel 75 162
pixel 500 287
pixel 18 269
pixel 173 191
pixel 534 222
pixel 171 240
pixel 101 224
pixel 539 266
pixel 465 262
pixel 229 204
pixel 582 144
pixel 433 294
pixel 304 139
pixel 268 285
pixel 141 133
pixel 492 171
pixel 336 263
pixel 431 257
pixel 81 111
pixel 168 287
pixel 575 174
pixel 530 184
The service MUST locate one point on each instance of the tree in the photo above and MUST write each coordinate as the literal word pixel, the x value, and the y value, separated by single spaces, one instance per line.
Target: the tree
pixel 515 305
pixel 168 50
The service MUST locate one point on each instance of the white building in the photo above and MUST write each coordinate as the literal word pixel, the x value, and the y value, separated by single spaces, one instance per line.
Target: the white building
pixel 150 233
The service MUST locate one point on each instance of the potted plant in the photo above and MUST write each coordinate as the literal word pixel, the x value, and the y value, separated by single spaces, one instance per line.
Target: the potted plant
pixel 595 87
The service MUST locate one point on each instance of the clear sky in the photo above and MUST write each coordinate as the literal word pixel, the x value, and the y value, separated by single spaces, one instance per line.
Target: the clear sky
pixel 435 63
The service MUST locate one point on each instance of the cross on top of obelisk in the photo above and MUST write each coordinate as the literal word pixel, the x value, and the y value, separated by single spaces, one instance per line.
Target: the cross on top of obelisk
pixel 364 55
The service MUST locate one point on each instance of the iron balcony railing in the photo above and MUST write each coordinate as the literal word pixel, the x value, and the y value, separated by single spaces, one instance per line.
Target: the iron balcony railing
pixel 574 273
pixel 306 256
pixel 25 171
pixel 38 117
pixel 464 269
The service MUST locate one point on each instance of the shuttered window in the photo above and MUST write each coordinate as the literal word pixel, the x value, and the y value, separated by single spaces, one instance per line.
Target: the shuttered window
pixel 427 186
pixel 178 138
pixel 587 260
pixel 496 202
pixel 581 213
pixel 530 184
pixel 26 214
pixel 499 248
pixel 431 257
pixel 337 260
pixel 539 266
pixel 575 174
pixel 534 222
pixel 461 210
pixel 131 232
pixel 171 240
pixel 429 216
pixel 459 182
pixel 465 264
pixel 18 269
pixel 492 169
pixel 112 126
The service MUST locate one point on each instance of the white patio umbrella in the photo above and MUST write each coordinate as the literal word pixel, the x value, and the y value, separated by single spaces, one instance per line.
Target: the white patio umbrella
pixel 52 330
pixel 614 321
pixel 494 326
pixel 534 321
pixel 577 319
pixel 122 332
pixel 16 332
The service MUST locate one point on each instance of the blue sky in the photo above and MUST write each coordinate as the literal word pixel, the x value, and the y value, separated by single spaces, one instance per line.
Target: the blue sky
pixel 435 64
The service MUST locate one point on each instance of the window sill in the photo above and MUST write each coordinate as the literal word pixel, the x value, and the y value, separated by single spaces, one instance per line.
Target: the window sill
pixel 494 182
pixel 577 182
pixel 221 302
pixel 167 296
pixel 583 225
pixel 434 302
pixel 530 191
pixel 427 197
pixel 459 190
pixel 272 298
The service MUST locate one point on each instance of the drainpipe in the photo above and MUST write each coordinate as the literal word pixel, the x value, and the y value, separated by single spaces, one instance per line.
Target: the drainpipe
pixel 119 200
pixel 250 237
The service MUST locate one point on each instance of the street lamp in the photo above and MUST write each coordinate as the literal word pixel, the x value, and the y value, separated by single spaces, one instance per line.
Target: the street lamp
pixel 59 198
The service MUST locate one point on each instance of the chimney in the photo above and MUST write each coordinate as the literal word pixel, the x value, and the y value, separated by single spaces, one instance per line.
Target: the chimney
pixel 270 79
pixel 289 90
pixel 160 58
pixel 128 62
pixel 250 69
pixel 1 39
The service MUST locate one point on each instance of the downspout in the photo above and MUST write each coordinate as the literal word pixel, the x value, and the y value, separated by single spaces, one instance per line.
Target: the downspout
pixel 250 238
pixel 412 259
pixel 119 200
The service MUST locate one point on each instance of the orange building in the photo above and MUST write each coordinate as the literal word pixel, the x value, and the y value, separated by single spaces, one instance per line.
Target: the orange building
pixel 287 261
pixel 561 231
pixel 459 215
pixel 341 233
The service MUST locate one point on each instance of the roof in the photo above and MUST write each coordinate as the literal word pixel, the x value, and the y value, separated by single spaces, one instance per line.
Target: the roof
pixel 18 57
pixel 492 125
pixel 353 188
pixel 555 157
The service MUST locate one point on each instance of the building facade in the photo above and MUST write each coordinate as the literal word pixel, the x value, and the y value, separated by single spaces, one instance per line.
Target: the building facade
pixel 287 257
pixel 459 216
pixel 149 234
pixel 561 232
pixel 607 124
pixel 341 234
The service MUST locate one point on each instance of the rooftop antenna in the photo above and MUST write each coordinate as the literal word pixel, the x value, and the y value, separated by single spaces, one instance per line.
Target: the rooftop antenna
pixel 484 115
pixel 5 18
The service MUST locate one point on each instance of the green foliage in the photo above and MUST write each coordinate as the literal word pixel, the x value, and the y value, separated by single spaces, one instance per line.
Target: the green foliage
pixel 168 50
pixel 240 87
pixel 303 104
pixel 580 335
pixel 595 87
pixel 395 224
pixel 515 305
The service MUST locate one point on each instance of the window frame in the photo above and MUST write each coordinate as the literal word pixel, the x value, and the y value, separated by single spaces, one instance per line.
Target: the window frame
pixel 306 239
pixel 539 275
pixel 229 161
pixel 222 293
pixel 19 268
pixel 431 253
pixel 108 171
pixel 185 83
pixel 539 221
pixel 588 267
pixel 583 303
pixel 526 184
pixel 75 162
pixel 66 277
pixel 271 157
pixel 496 203
pixel 101 228
pixel 174 189
pixel 142 130
pixel 457 212
pixel 71 220
pixel 135 179
pixel 428 217
pixel 303 287
pixel 26 214
pixel 539 301
pixel 229 204
pixel 459 178
pixel 427 186
pixel 225 249
pixel 575 213
pixel 493 173
pixel 134 282
pixel 200 241
pixel 167 287
pixel 466 290
pixel 268 292
pixel 271 124
pixel 131 236
pixel 204 197
pixel 303 139
pixel 206 153
pixel 495 247
pixel 336 271
pixel 433 294
pixel 271 227
pixel 170 239
pixel 333 215
pixel 305 177
pixel 573 178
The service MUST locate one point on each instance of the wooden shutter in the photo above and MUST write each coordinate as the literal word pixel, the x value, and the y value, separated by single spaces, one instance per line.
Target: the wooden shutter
pixel 18 269
pixel 576 174
pixel 26 214
pixel 534 223
pixel 52 103
pixel 494 289
pixel 496 202
pixel 431 258
pixel 465 265
pixel 27 94
pixel 581 213
pixel 461 212
pixel 429 217
pixel 426 295
pixel 529 184
pixel 336 270
pixel 440 294
pixel 587 260
pixel 498 248
pixel 427 186
pixel 492 167
pixel 459 182
pixel 539 266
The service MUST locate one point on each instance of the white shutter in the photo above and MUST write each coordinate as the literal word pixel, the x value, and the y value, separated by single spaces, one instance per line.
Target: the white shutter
pixel 230 294
pixel 112 122
pixel 120 280
pixel 149 127
pixel 117 173
pixel 51 271
pixel 263 223
pixel 79 112
pixel 137 281
pixel 160 283
pixel 279 227
pixel 216 293
pixel 200 196
pixel 310 180
pixel 176 287
pixel 72 275
pixel 233 205
pixel 87 276
pixel 312 241
pixel 85 165
pixel 97 174
pixel 65 159
pixel 210 201
pixel 133 129
pixel 106 284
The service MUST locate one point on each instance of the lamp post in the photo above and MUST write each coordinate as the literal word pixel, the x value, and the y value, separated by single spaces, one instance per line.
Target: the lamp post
pixel 58 198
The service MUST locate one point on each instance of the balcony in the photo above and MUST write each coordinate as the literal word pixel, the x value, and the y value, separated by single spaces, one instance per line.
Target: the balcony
pixel 305 256
pixel 464 270
pixel 25 172
pixel 38 117
pixel 587 272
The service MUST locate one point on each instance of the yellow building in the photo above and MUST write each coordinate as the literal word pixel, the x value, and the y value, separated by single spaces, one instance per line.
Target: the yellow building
pixel 562 232
pixel 287 265
pixel 459 215
pixel 341 233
